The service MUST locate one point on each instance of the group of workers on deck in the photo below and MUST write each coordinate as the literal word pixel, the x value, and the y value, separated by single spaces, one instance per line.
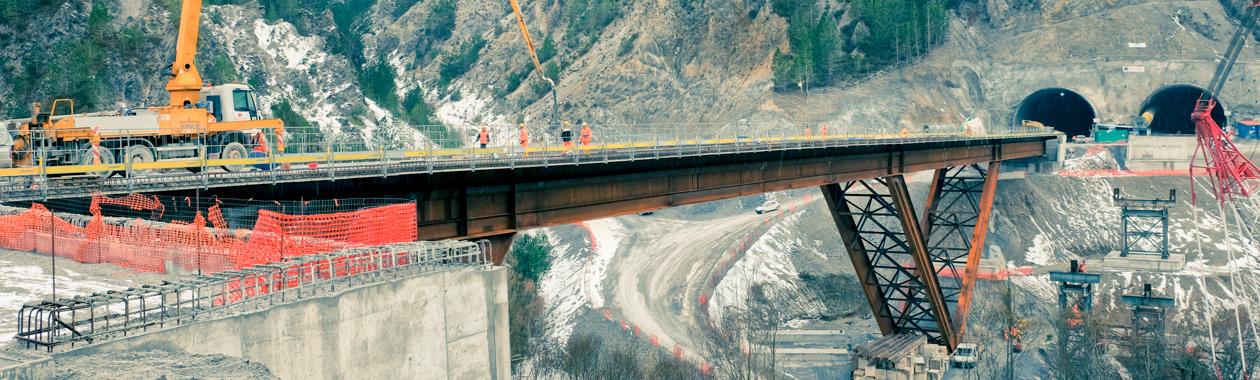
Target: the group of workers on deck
pixel 566 135
pixel 585 136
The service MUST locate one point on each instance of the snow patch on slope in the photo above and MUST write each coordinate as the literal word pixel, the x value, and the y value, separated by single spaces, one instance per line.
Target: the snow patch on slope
pixel 768 262
pixel 20 284
pixel 562 289
pixel 299 69
pixel 1041 252
pixel 607 234
pixel 576 277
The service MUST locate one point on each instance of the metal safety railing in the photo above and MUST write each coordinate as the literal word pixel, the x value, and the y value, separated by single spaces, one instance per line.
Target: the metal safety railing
pixel 100 316
pixel 306 154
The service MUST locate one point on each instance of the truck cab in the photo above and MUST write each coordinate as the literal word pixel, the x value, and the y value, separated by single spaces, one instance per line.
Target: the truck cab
pixel 230 102
pixel 965 355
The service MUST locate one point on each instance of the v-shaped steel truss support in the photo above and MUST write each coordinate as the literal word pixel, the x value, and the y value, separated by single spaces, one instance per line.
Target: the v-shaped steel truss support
pixel 888 245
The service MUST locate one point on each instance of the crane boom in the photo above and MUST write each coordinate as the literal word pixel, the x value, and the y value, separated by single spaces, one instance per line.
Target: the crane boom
pixel 185 82
pixel 529 43
pixel 1232 174
pixel 1226 66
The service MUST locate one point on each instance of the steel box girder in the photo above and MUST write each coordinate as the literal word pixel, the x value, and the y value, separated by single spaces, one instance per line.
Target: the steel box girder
pixel 459 205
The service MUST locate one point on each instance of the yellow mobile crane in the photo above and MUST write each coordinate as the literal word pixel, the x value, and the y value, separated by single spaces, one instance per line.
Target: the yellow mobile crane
pixel 216 121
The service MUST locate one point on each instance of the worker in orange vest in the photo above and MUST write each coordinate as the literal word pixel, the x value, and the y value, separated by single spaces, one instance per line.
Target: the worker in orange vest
pixel 260 150
pixel 524 139
pixel 261 147
pixel 585 137
pixel 483 137
pixel 809 134
pixel 822 130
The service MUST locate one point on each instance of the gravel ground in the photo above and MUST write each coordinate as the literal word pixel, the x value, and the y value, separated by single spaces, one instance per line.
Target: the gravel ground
pixel 159 365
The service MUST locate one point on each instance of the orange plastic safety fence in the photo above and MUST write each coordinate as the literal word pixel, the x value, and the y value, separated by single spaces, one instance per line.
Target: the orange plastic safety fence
pixel 208 245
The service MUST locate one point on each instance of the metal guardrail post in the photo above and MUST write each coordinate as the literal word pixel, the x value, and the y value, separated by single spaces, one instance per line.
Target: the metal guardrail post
pixel 331 149
pixel 202 154
pixel 428 156
pixel 43 172
pixel 128 172
pixel 384 169
pixel 271 163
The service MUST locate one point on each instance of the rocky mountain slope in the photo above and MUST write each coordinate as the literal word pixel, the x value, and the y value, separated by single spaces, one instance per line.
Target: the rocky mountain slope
pixel 368 69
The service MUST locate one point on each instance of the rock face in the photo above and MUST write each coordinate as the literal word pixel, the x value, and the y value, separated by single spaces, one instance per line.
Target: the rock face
pixel 652 62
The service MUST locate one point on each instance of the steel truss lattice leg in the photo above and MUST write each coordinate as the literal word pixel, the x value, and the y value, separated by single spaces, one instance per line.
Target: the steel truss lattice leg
pixel 959 200
pixel 885 243
pixel 1145 232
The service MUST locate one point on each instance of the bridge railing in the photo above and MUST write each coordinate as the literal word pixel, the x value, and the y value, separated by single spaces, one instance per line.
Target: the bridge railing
pixel 114 313
pixel 379 150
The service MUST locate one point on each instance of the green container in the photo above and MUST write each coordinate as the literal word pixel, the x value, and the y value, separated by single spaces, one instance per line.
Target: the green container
pixel 1110 135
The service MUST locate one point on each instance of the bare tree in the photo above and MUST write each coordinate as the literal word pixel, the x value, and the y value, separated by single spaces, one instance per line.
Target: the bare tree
pixel 1229 360
pixel 743 344
pixel 1081 350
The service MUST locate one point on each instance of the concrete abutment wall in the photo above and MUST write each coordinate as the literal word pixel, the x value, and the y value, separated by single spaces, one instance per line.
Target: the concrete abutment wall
pixel 445 325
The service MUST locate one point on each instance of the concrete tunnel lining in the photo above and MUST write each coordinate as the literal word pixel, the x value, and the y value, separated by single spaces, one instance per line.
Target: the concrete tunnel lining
pixel 1172 105
pixel 1066 110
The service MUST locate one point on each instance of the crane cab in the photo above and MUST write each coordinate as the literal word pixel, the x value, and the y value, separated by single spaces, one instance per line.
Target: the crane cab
pixel 230 102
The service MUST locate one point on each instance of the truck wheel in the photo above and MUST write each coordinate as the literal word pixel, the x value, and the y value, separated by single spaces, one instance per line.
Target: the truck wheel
pixel 139 154
pixel 232 151
pixel 87 157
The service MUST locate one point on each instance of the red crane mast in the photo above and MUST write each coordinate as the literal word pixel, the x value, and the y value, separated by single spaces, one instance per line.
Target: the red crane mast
pixel 1231 172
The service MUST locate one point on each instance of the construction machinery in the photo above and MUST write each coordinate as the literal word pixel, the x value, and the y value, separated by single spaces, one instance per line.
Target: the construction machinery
pixel 529 43
pixel 1232 174
pixel 201 121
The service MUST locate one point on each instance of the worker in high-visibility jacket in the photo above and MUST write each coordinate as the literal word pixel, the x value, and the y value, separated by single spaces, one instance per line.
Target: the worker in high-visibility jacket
pixel 822 130
pixel 483 137
pixel 585 137
pixel 260 150
pixel 524 140
pixel 566 135
pixel 809 134
pixel 261 146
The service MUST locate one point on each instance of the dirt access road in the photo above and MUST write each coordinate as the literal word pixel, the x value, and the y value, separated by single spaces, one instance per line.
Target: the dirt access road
pixel 662 266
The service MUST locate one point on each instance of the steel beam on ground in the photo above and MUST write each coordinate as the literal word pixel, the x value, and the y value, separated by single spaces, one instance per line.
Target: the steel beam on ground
pixel 885 244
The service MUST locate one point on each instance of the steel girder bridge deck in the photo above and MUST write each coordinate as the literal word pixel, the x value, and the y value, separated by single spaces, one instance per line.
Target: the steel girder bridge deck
pixel 75 181
pixel 917 273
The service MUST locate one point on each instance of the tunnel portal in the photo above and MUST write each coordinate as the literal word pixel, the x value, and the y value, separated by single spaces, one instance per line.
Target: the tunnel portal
pixel 1170 108
pixel 1065 110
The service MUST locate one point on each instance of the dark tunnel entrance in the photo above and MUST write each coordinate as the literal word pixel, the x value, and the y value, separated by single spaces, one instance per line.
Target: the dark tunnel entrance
pixel 1170 108
pixel 1065 110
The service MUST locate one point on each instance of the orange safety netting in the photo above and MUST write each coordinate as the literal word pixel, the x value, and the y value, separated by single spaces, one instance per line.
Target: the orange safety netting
pixel 205 242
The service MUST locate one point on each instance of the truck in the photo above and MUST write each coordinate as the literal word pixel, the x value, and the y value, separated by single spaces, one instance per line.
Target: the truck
pixel 965 355
pixel 200 120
